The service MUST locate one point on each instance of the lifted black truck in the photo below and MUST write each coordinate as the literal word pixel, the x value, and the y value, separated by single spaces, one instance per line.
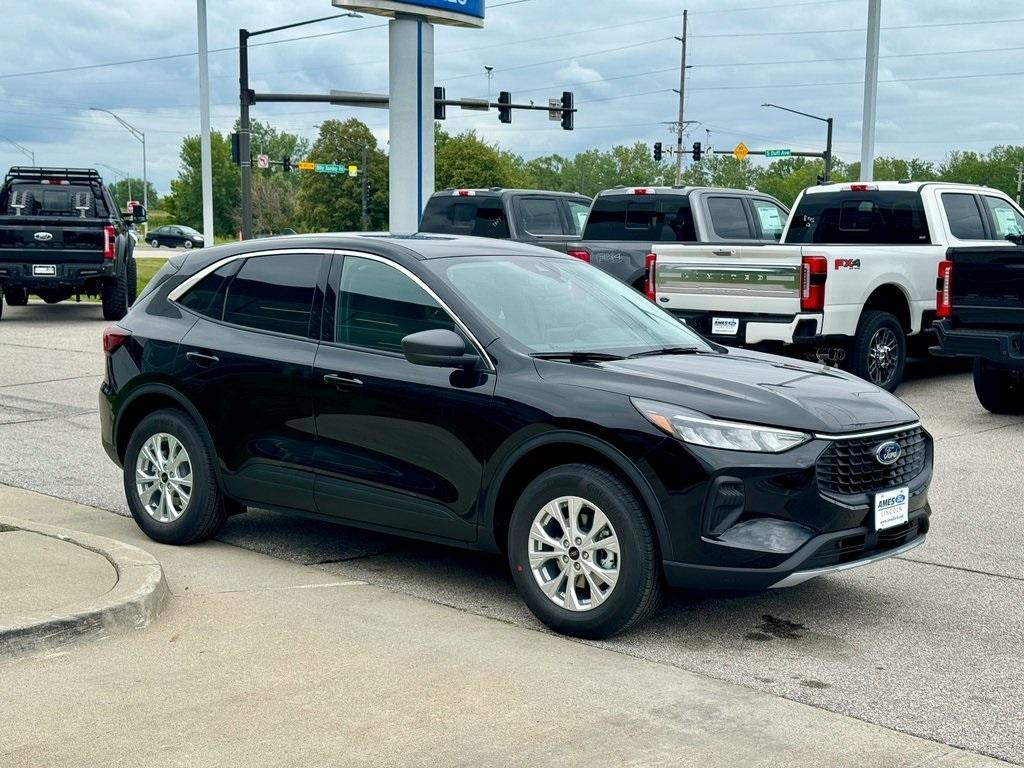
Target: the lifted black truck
pixel 980 305
pixel 61 235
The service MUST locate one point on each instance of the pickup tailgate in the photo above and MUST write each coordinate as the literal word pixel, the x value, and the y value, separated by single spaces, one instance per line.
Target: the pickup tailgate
pixel 733 279
pixel 988 287
pixel 23 239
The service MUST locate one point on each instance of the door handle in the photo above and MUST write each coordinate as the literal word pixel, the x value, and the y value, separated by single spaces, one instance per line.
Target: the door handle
pixel 342 382
pixel 202 359
pixel 724 252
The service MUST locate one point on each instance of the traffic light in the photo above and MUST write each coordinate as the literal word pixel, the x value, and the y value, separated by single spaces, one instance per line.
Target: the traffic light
pixel 236 149
pixel 440 110
pixel 286 164
pixel 568 115
pixel 504 107
pixel 658 152
pixel 698 152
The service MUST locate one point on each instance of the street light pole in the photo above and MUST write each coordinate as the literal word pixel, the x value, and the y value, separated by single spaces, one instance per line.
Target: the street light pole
pixel 27 152
pixel 117 172
pixel 205 152
pixel 141 137
pixel 827 176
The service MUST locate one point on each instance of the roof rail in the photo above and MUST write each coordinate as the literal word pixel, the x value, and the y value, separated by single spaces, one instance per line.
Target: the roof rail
pixel 31 173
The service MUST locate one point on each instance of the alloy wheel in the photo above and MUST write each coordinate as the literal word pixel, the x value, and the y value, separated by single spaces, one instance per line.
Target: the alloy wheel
pixel 883 356
pixel 163 477
pixel 574 553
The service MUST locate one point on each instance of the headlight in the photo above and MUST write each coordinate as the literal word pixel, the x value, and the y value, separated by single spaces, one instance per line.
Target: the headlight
pixel 698 429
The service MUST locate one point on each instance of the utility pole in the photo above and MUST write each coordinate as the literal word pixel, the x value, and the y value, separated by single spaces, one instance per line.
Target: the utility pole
pixel 366 188
pixel 244 149
pixel 1020 182
pixel 867 134
pixel 680 125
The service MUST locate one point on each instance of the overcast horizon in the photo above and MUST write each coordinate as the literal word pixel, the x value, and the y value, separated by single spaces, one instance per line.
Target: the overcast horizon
pixel 944 68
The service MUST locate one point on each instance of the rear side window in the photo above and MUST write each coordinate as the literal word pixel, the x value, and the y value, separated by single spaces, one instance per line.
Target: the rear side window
pixel 859 218
pixel 965 222
pixel 478 216
pixel 578 216
pixel 770 218
pixel 729 218
pixel 641 219
pixel 274 293
pixel 541 216
pixel 207 296
pixel 1006 219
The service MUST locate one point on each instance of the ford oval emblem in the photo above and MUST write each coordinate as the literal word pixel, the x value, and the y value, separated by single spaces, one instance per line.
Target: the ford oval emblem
pixel 44 237
pixel 888 453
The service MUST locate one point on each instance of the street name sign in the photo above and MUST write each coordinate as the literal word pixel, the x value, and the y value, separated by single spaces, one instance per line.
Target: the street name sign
pixel 458 13
pixel 741 151
pixel 777 152
pixel 330 168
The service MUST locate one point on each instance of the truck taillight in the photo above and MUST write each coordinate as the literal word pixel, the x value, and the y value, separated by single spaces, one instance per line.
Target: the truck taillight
pixel 109 236
pixel 114 337
pixel 944 290
pixel 813 273
pixel 579 253
pixel 651 280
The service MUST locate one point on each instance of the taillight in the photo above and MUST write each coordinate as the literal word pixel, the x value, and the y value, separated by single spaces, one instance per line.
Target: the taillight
pixel 944 290
pixel 813 272
pixel 580 254
pixel 114 337
pixel 650 278
pixel 109 236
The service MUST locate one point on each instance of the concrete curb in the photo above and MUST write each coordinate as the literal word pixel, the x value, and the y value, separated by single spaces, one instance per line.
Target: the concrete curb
pixel 136 599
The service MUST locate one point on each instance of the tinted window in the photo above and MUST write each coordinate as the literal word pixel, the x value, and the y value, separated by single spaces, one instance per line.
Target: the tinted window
pixel 378 306
pixel 479 216
pixel 641 219
pixel 770 218
pixel 965 221
pixel 868 218
pixel 541 216
pixel 207 296
pixel 729 218
pixel 58 200
pixel 1007 221
pixel 274 293
pixel 578 216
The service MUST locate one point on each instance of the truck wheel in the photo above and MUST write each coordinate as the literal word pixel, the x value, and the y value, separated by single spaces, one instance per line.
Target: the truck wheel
pixel 115 295
pixel 16 297
pixel 999 389
pixel 878 353
pixel 583 554
pixel 132 279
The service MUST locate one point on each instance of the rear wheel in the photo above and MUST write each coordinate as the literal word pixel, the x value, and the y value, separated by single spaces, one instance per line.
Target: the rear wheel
pixel 582 552
pixel 999 389
pixel 878 352
pixel 154 243
pixel 116 293
pixel 170 482
pixel 16 297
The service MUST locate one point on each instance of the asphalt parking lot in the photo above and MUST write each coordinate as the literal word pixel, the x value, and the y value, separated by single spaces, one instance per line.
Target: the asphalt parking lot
pixel 928 643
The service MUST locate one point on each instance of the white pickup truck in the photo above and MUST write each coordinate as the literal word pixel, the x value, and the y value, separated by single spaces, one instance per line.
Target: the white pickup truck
pixel 853 277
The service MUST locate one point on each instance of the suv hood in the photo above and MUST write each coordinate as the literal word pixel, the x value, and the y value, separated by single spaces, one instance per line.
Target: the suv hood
pixel 742 385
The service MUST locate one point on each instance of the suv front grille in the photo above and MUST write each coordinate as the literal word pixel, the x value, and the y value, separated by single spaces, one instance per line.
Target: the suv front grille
pixel 849 468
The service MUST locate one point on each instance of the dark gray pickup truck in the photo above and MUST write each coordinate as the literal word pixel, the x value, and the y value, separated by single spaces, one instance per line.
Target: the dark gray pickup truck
pixel 980 309
pixel 61 235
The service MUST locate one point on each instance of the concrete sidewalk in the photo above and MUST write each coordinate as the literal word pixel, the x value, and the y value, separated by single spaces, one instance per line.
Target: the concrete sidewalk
pixel 256 661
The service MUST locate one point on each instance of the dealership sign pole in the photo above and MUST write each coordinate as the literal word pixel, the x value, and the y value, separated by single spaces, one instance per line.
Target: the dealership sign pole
pixel 411 101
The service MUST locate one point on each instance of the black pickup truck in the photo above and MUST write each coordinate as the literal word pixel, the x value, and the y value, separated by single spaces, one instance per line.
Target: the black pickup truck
pixel 980 309
pixel 61 235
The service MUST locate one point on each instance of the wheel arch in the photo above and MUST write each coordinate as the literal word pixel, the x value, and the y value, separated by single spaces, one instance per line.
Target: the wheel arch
pixel 892 298
pixel 538 454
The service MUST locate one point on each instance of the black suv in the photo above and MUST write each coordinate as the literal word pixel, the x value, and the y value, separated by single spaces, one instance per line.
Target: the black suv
pixel 506 398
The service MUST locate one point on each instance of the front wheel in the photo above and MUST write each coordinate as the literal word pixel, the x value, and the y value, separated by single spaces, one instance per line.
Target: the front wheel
pixel 999 389
pixel 188 245
pixel 583 554
pixel 878 352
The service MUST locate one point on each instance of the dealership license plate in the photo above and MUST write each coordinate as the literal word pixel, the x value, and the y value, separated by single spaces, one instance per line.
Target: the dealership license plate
pixel 44 270
pixel 725 326
pixel 892 508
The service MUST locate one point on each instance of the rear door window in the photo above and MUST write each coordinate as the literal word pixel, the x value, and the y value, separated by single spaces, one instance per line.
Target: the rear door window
pixel 578 212
pixel 1007 222
pixel 641 219
pixel 729 218
pixel 477 215
pixel 274 293
pixel 770 219
pixel 859 218
pixel 964 216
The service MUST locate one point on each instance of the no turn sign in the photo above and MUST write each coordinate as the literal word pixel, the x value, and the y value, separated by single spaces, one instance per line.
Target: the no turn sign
pixel 262 161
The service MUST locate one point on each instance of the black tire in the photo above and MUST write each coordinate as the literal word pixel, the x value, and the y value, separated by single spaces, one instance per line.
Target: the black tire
pixel 637 591
pixel 115 293
pixel 206 509
pixel 878 329
pixel 16 297
pixel 154 243
pixel 187 245
pixel 999 389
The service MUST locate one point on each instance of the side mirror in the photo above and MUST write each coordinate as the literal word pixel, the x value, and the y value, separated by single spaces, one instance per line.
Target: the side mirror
pixel 139 214
pixel 439 348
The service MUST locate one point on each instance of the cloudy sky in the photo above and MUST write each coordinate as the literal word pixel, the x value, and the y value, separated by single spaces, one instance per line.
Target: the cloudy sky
pixel 950 75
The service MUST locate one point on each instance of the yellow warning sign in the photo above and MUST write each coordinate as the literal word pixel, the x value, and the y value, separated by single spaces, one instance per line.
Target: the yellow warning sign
pixel 304 166
pixel 741 151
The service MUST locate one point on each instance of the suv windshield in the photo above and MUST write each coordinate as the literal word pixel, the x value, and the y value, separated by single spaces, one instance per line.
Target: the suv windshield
pixel 563 305
pixel 641 218
pixel 859 218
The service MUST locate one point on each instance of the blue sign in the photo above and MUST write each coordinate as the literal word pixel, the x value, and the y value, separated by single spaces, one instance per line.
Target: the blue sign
pixel 457 12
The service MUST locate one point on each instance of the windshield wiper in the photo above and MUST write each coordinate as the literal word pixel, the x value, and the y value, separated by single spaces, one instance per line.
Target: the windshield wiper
pixel 576 357
pixel 668 351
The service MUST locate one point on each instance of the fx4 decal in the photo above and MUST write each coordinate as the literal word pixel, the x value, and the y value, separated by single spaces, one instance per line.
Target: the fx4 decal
pixel 847 264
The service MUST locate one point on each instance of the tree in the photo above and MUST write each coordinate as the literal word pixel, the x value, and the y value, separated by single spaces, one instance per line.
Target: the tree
pixel 465 160
pixel 996 168
pixel 119 190
pixel 185 203
pixel 267 140
pixel 330 203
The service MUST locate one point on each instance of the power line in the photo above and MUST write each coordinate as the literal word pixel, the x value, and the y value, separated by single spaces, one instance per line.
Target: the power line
pixel 858 29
